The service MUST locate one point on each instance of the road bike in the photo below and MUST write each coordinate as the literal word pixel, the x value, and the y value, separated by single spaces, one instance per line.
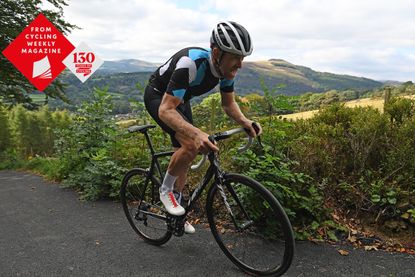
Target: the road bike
pixel 246 220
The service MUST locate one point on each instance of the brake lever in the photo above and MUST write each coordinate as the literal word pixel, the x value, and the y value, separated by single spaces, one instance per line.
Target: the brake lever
pixel 256 128
pixel 260 143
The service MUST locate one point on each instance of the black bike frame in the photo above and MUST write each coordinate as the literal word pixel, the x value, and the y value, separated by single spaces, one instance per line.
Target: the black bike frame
pixel 155 156
pixel 214 170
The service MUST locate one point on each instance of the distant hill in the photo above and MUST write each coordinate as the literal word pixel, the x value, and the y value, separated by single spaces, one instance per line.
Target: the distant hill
pixel 122 76
pixel 297 79
pixel 127 66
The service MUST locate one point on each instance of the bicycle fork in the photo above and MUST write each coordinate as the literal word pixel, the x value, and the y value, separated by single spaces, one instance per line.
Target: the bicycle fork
pixel 248 222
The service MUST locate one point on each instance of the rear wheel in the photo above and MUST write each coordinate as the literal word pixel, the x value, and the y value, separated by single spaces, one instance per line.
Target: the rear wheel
pixel 250 226
pixel 140 200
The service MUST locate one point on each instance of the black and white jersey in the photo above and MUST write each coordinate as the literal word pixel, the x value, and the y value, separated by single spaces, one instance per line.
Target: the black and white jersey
pixel 188 73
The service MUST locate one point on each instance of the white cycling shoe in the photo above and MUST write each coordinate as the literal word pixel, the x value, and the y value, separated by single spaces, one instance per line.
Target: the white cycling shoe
pixel 171 205
pixel 188 228
pixel 174 208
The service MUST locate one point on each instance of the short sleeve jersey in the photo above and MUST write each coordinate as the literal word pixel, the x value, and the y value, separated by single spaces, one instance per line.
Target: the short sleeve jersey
pixel 188 73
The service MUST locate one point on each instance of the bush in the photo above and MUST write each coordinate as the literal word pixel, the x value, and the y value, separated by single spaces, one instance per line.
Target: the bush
pixel 34 131
pixel 399 109
pixel 87 150
pixel 366 159
pixel 298 193
pixel 5 132
pixel 48 167
pixel 339 143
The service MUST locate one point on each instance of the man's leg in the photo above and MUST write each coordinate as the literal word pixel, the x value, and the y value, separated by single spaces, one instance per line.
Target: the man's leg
pixel 181 161
pixel 179 164
pixel 177 172
pixel 181 179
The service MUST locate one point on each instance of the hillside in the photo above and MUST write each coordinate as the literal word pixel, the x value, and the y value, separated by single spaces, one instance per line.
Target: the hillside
pixel 122 76
pixel 127 66
pixel 297 79
pixel 122 86
pixel 376 103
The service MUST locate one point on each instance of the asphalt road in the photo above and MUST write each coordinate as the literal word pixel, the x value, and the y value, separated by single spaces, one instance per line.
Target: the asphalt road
pixel 47 231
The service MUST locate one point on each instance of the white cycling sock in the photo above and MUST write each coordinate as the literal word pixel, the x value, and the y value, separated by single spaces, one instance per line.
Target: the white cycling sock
pixel 168 183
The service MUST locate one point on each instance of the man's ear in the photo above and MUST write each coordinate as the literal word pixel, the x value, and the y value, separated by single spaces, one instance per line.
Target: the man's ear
pixel 215 53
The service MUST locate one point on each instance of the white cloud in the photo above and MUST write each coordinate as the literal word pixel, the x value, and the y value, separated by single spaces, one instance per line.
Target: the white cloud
pixel 150 30
pixel 372 38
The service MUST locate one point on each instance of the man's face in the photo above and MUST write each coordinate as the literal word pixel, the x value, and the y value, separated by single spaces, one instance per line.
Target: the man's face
pixel 230 64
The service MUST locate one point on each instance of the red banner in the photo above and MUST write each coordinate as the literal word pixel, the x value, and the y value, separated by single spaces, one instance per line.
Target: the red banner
pixel 38 52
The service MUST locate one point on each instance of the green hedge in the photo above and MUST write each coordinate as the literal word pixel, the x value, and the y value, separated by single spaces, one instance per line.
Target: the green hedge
pixel 358 160
pixel 364 157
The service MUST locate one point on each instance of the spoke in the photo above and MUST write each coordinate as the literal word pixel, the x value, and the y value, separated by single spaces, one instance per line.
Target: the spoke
pixel 248 226
pixel 144 210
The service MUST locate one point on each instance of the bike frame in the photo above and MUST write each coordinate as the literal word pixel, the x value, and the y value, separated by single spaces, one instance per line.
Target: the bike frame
pixel 214 170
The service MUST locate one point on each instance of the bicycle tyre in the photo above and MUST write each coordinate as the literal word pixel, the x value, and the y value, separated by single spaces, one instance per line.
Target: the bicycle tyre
pixel 137 197
pixel 267 226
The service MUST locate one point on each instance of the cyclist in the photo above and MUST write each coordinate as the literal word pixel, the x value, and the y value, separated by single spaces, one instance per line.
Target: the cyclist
pixel 191 72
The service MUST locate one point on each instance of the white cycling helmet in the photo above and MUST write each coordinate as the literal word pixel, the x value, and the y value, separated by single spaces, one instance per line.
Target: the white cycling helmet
pixel 231 37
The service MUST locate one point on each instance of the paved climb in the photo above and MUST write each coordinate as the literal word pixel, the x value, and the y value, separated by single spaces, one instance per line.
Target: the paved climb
pixel 47 231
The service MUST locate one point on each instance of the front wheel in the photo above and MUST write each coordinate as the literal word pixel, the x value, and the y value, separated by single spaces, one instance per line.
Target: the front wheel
pixel 140 199
pixel 250 226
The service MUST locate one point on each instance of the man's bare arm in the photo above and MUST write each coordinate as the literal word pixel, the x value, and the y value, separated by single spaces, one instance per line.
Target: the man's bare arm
pixel 231 108
pixel 170 116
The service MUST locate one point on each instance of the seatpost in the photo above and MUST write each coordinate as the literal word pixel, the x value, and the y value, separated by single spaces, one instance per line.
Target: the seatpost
pixel 149 143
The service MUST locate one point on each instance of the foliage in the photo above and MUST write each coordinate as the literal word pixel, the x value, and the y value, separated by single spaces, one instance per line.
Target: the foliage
pixel 209 113
pixel 275 103
pixel 365 158
pixel 87 149
pixel 15 15
pixel 300 196
pixel 10 160
pixel 27 135
pixel 46 166
pixel 31 133
pixel 5 130
pixel 121 86
pixel 399 109
pixel 359 161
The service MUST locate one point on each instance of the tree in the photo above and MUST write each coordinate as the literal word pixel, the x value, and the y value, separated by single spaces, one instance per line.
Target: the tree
pixel 15 15
pixel 5 132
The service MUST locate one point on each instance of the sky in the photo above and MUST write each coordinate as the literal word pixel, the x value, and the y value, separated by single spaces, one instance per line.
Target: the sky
pixel 367 38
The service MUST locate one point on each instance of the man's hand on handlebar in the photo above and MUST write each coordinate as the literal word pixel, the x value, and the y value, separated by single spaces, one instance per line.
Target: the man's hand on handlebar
pixel 204 144
pixel 252 128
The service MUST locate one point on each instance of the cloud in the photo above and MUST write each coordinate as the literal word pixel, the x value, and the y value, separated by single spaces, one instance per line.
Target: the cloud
pixel 150 30
pixel 364 38
pixel 372 38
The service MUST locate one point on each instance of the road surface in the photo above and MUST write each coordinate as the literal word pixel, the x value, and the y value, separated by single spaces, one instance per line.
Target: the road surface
pixel 46 230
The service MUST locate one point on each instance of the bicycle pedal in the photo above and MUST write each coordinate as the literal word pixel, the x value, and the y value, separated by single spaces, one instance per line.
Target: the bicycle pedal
pixel 175 224
pixel 179 232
